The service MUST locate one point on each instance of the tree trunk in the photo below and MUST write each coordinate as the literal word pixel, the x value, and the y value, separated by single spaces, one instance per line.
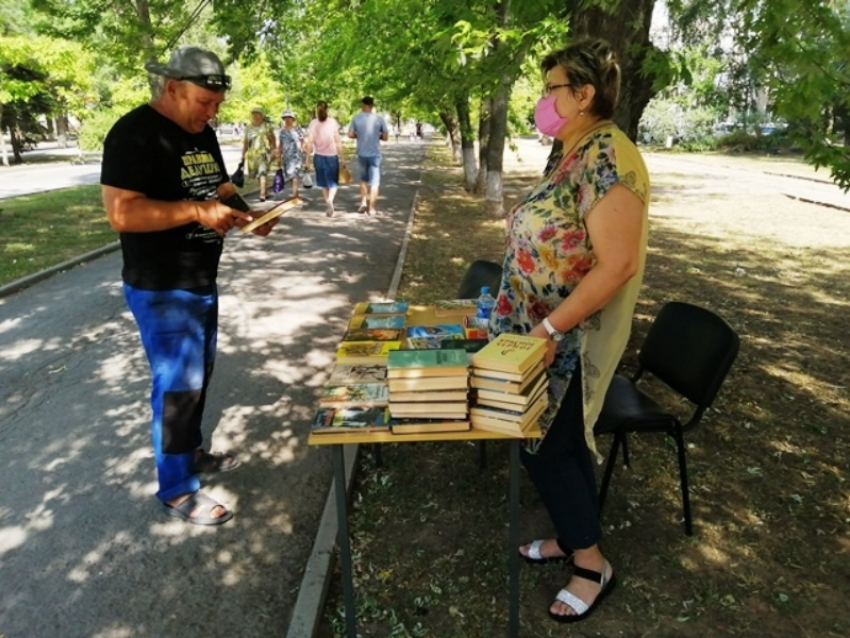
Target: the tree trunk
pixel 16 145
pixel 452 132
pixel 467 142
pixel 625 25
pixel 493 199
pixel 3 153
pixel 483 144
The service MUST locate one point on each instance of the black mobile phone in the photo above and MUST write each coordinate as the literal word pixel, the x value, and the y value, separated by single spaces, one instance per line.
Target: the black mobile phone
pixel 238 202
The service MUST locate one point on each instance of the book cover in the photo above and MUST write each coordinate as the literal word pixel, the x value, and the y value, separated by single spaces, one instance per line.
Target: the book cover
pixel 373 334
pixel 381 308
pixel 426 384
pixel 273 213
pixel 429 343
pixel 439 331
pixel 510 353
pixel 354 394
pixel 365 352
pixel 350 419
pixel 413 363
pixel 358 374
pixel 427 426
pixel 395 322
pixel 454 307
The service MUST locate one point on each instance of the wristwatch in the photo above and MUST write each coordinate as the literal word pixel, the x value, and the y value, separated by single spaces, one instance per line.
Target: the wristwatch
pixel 554 334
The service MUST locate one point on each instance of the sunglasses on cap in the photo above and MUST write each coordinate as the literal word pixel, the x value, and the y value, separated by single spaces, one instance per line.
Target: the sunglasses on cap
pixel 215 82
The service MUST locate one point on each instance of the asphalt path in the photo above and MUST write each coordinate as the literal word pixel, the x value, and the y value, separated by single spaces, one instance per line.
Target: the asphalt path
pixel 85 550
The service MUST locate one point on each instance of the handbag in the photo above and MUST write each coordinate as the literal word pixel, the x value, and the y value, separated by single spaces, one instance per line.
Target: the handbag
pixel 278 182
pixel 344 175
pixel 238 177
pixel 307 181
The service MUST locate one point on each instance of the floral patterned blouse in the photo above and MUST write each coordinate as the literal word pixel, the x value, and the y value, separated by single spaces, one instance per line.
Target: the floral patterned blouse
pixel 548 252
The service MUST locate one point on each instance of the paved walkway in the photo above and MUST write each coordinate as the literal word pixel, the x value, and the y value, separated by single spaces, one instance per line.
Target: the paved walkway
pixel 84 549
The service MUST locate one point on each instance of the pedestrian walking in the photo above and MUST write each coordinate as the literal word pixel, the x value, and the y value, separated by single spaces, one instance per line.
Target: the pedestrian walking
pixel 292 140
pixel 369 129
pixel 163 178
pixel 324 142
pixel 258 146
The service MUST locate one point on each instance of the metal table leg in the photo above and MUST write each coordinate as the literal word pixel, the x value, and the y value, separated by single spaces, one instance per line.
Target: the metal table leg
pixel 343 540
pixel 513 542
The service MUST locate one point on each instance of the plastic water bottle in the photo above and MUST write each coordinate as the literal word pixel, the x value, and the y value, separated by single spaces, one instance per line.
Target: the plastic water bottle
pixel 486 303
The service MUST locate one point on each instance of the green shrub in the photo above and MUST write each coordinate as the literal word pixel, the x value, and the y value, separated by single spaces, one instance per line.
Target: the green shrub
pixel 94 128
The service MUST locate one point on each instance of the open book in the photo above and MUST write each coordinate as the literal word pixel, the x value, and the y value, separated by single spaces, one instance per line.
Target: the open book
pixel 273 213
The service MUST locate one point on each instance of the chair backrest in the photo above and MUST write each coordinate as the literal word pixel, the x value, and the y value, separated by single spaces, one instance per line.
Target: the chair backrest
pixel 480 273
pixel 691 350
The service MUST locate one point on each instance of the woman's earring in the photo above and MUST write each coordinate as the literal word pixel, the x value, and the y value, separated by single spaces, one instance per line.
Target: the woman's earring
pixel 581 112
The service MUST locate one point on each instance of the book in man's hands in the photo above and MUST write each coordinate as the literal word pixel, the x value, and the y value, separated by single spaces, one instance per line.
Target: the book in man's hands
pixel 365 394
pixel 350 419
pixel 273 213
pixel 510 353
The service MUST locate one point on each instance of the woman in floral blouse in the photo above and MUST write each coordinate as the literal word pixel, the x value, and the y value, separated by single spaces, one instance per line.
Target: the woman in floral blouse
pixel 574 261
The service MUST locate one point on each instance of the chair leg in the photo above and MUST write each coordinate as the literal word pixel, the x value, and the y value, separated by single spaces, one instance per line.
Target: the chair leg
pixel 482 454
pixel 683 479
pixel 609 469
pixel 626 450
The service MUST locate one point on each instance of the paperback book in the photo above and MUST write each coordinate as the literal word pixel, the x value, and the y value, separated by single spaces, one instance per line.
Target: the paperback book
pixel 425 384
pixel 373 334
pixel 350 419
pixel 426 363
pixel 519 400
pixel 490 380
pixel 358 374
pixel 381 308
pixel 510 353
pixel 395 322
pixel 365 352
pixel 365 394
pixel 455 307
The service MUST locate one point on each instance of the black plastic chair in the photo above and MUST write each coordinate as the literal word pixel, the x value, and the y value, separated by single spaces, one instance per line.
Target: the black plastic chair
pixel 691 350
pixel 480 273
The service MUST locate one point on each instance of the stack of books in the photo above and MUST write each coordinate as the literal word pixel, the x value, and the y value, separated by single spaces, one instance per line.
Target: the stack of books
pixel 428 390
pixel 354 400
pixel 510 383
pixel 375 329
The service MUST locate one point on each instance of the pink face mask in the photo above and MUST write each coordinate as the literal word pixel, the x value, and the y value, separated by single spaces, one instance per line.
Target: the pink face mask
pixel 546 116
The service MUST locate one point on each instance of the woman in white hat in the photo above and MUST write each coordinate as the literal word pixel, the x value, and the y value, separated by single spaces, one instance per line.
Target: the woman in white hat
pixel 257 148
pixel 290 150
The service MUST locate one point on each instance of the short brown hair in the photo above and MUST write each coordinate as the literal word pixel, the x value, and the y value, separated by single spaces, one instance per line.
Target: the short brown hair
pixel 590 61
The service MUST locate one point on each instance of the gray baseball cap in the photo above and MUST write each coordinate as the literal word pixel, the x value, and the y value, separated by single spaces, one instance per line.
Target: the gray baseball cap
pixel 196 65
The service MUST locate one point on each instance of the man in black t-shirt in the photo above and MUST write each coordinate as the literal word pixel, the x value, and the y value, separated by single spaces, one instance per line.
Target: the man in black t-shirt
pixel 163 181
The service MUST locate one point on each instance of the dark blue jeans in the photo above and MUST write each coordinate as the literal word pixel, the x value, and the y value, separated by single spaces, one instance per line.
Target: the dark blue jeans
pixel 178 330
pixel 562 470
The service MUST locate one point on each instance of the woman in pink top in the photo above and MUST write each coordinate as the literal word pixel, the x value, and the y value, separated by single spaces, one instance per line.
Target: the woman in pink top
pixel 324 142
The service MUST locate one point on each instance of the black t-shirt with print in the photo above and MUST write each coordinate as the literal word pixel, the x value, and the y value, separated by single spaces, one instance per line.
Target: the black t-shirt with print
pixel 148 153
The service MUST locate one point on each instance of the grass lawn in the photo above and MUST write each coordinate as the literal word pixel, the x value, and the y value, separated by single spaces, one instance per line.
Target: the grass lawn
pixel 45 229
pixel 768 467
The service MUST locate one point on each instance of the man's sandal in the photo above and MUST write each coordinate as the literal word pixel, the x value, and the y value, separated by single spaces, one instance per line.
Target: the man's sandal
pixel 534 557
pixel 206 505
pixel 207 462
pixel 582 609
